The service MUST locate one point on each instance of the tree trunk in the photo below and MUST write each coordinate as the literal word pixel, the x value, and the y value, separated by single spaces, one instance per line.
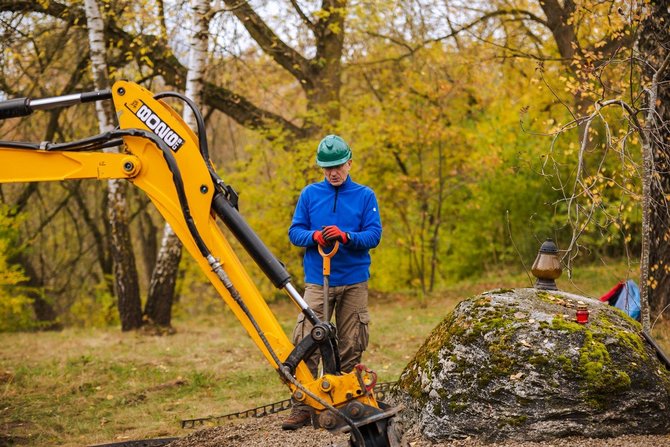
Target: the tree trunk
pixel 326 67
pixel 319 76
pixel 652 45
pixel 148 232
pixel 125 271
pixel 44 311
pixel 158 309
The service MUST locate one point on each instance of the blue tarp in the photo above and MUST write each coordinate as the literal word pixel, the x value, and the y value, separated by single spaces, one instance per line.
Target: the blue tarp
pixel 625 296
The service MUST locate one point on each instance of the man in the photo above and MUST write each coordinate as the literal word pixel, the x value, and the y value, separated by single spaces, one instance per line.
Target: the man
pixel 336 209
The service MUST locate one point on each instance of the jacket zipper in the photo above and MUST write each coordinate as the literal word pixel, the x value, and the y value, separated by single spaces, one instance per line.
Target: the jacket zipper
pixel 337 190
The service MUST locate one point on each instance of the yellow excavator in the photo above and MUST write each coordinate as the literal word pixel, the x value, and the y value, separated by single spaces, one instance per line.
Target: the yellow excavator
pixel 165 158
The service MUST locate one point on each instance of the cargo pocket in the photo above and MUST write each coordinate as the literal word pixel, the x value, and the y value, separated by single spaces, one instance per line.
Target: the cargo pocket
pixel 363 335
pixel 299 330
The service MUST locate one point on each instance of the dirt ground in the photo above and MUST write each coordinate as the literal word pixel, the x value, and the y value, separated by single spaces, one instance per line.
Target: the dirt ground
pixel 267 432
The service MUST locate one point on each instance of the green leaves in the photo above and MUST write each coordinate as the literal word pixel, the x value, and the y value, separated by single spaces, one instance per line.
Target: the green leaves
pixel 15 310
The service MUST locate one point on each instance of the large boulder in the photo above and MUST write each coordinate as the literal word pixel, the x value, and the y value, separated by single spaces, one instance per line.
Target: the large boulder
pixel 514 364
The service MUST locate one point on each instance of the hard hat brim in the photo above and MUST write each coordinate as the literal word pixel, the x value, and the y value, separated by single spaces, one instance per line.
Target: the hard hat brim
pixel 331 163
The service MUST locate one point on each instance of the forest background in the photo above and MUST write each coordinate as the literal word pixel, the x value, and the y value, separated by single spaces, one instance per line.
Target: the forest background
pixel 483 127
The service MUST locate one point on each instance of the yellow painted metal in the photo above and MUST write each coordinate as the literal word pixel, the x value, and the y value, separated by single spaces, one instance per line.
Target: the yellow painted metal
pixel 144 165
pixel 336 390
pixel 25 165
pixel 136 108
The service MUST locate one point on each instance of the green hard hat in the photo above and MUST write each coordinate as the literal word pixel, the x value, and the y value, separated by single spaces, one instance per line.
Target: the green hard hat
pixel 332 151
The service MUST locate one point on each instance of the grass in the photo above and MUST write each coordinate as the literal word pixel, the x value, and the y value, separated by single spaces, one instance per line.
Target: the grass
pixel 84 387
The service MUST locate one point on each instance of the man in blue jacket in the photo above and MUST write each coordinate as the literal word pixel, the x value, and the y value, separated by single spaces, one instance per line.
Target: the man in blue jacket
pixel 336 209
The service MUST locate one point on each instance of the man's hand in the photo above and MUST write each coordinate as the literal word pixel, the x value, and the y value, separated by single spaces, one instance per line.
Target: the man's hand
pixel 333 233
pixel 317 237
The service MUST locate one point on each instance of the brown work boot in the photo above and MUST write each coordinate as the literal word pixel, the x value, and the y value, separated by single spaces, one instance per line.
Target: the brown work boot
pixel 299 417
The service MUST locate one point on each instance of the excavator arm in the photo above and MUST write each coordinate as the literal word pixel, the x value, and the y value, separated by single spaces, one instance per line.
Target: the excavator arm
pixel 163 157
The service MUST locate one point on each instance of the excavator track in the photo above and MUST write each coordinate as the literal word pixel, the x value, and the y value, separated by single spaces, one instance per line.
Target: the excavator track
pixel 381 391
pixel 155 442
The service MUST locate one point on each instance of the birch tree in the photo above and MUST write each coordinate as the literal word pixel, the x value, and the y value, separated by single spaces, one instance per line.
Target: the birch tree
pixel 125 271
pixel 164 276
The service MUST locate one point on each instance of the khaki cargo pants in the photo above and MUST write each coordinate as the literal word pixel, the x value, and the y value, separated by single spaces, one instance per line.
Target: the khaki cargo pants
pixel 349 305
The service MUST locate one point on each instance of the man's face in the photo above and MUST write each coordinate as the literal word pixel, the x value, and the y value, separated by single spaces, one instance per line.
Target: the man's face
pixel 336 175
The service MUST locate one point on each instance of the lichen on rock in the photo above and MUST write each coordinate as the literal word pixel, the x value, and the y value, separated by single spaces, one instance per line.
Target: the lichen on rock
pixel 514 364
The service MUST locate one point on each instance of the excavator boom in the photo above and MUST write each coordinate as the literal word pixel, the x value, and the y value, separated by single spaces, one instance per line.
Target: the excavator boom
pixel 165 158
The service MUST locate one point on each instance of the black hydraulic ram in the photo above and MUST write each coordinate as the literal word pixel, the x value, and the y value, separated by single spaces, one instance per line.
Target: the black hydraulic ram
pixel 260 253
pixel 322 336
pixel 25 106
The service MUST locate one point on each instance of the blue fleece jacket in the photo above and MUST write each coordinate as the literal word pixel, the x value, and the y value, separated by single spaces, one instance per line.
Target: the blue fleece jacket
pixel 354 209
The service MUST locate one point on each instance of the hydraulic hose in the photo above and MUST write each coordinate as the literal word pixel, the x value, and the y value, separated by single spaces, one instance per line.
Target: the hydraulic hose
pixel 200 123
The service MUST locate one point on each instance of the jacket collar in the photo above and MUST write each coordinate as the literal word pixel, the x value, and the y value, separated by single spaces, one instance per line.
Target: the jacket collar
pixel 344 185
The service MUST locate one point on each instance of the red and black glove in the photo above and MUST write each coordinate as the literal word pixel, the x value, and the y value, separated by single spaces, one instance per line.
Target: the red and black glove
pixel 333 233
pixel 317 237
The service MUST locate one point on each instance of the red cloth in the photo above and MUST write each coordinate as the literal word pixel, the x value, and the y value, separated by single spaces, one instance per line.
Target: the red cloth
pixel 614 292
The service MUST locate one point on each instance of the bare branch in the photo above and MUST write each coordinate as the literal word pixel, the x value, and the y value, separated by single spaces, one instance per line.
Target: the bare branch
pixel 497 13
pixel 455 32
pixel 244 112
pixel 303 16
pixel 52 8
pixel 270 43
pixel 167 65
